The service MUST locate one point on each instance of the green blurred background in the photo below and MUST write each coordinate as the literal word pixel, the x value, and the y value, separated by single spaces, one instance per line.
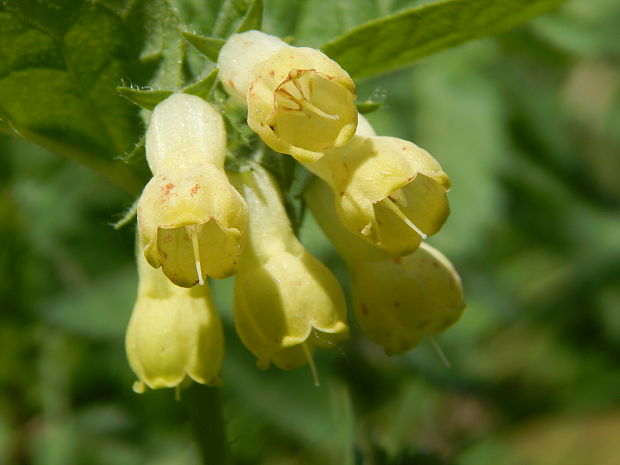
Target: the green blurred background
pixel 527 124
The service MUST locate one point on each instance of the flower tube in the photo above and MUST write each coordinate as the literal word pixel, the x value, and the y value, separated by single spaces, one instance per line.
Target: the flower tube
pixel 174 333
pixel 398 300
pixel 387 191
pixel 190 219
pixel 286 301
pixel 299 101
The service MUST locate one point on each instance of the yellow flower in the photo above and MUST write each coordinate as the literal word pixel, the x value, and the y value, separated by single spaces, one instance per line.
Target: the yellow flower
pixel 190 219
pixel 396 300
pixel 174 333
pixel 387 191
pixel 300 102
pixel 286 301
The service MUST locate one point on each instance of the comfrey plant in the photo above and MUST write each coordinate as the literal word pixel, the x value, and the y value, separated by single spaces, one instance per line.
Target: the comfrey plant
pixel 377 198
pixel 235 145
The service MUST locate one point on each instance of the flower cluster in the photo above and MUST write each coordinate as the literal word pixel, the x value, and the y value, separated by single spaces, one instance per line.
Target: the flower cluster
pixel 376 198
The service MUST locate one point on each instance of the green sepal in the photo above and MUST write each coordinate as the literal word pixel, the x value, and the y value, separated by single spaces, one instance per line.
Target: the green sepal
pixel 148 99
pixel 253 19
pixel 144 98
pixel 208 46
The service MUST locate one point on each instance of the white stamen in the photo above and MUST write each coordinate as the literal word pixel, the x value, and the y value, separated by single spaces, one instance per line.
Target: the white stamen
pixel 440 352
pixel 194 234
pixel 304 104
pixel 307 106
pixel 315 374
pixel 392 206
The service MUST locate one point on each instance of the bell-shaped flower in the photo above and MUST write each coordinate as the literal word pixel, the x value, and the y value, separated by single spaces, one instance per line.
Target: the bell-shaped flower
pixel 387 191
pixel 396 300
pixel 190 218
pixel 299 101
pixel 174 333
pixel 286 301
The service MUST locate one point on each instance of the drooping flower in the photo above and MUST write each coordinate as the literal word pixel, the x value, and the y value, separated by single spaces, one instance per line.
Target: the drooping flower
pixel 174 333
pixel 387 191
pixel 396 300
pixel 286 301
pixel 190 218
pixel 300 102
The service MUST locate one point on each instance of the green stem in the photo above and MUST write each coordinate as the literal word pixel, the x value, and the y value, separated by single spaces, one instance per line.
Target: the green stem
pixel 207 421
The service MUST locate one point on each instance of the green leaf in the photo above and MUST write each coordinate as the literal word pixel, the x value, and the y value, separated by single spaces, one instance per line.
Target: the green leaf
pixel 320 20
pixel 59 68
pixel 398 40
pixel 144 98
pixel 163 42
pixel 209 46
pixel 253 18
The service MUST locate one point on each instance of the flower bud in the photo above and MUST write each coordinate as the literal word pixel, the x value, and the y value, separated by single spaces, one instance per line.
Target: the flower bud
pixel 299 101
pixel 174 333
pixel 396 300
pixel 190 219
pixel 286 301
pixel 387 191
pixel 239 55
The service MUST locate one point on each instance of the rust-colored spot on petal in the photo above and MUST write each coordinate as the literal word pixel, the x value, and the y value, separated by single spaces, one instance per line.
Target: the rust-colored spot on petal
pixel 194 190
pixel 230 83
pixel 272 73
pixel 165 190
